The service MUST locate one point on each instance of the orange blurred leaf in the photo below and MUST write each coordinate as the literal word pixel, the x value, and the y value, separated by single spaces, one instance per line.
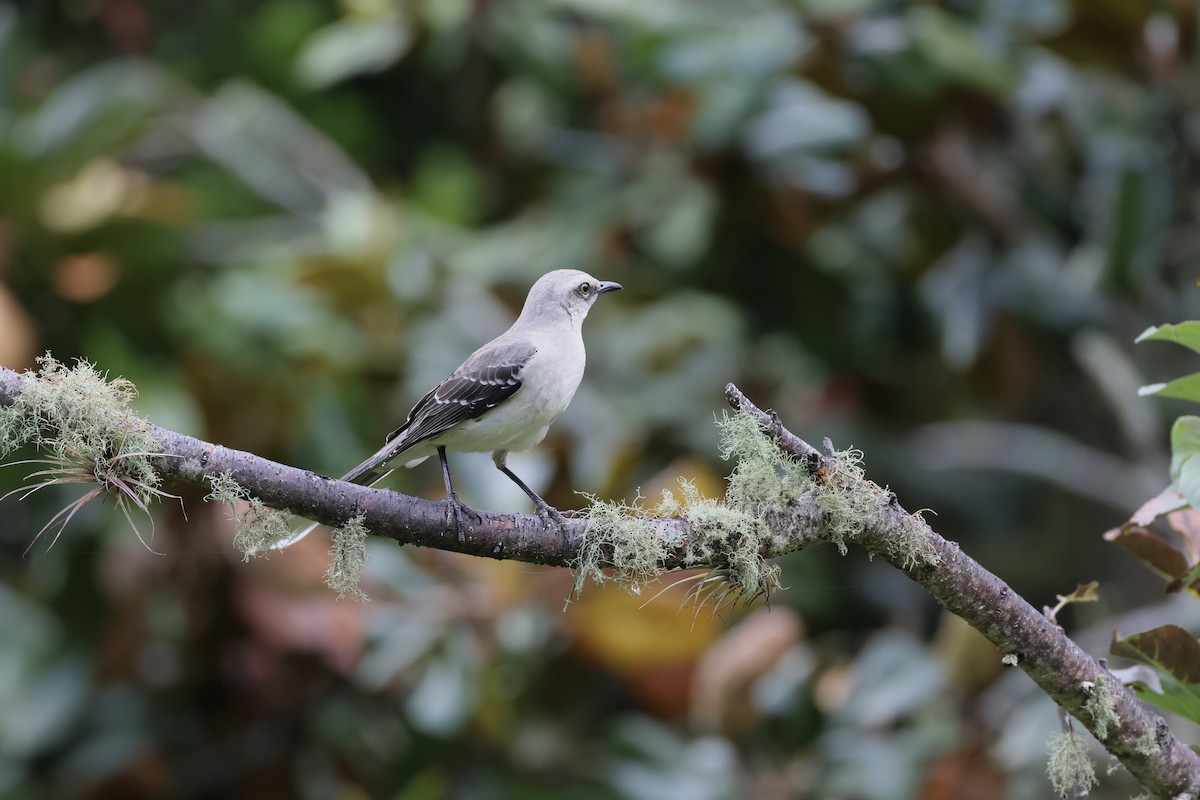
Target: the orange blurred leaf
pixel 16 332
pixel 85 278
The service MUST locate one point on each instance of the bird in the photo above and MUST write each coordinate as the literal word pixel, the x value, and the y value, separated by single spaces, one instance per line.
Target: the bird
pixel 503 398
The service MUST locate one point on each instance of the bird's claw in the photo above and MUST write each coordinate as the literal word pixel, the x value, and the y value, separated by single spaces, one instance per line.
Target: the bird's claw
pixel 457 509
pixel 552 515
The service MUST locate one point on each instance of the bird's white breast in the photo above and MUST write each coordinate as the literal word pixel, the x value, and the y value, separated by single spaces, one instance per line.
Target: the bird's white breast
pixel 548 383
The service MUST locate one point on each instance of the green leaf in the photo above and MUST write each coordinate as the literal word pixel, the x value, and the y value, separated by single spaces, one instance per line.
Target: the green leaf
pixel 350 47
pixel 959 52
pixel 1186 388
pixel 1185 580
pixel 1184 333
pixel 1175 697
pixel 1185 443
pixel 1084 593
pixel 1189 481
pixel 1129 227
pixel 1175 654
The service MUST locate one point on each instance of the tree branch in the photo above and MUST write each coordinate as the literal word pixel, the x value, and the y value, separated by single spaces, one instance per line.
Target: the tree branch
pixel 1141 740
pixel 408 520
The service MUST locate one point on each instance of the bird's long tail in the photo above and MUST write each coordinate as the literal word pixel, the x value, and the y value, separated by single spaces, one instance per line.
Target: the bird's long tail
pixel 373 470
pixel 368 473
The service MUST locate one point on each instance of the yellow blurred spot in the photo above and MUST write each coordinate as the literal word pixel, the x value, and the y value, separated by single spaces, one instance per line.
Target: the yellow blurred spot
pixel 654 646
pixel 99 190
pixel 971 660
pixel 104 189
pixel 164 203
pixel 369 9
pixel 833 686
pixel 661 632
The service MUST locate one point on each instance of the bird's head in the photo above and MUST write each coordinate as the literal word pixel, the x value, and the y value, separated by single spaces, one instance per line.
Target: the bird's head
pixel 567 290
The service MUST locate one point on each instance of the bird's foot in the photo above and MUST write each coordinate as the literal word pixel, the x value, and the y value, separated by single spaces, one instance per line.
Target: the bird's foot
pixel 457 509
pixel 553 516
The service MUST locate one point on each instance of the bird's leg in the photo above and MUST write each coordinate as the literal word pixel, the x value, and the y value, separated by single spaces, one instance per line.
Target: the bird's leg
pixel 457 507
pixel 544 509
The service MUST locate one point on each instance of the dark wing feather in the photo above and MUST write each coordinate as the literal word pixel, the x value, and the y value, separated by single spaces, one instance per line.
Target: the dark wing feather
pixel 462 396
pixel 486 379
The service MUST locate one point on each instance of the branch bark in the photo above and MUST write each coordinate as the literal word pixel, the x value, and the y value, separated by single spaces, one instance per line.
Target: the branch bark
pixel 1140 740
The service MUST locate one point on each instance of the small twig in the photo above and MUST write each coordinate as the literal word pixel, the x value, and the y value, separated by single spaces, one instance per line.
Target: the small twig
pixel 787 441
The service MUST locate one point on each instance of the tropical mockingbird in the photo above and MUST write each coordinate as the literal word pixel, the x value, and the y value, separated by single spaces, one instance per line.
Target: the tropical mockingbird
pixel 504 397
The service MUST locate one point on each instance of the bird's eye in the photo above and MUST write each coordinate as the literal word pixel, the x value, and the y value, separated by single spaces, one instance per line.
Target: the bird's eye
pixel 585 288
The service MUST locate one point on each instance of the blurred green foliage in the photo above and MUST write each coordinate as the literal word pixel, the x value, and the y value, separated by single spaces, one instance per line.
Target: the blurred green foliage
pixel 928 230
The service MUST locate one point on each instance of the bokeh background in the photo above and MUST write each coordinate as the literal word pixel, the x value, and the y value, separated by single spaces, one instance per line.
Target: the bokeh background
pixel 929 230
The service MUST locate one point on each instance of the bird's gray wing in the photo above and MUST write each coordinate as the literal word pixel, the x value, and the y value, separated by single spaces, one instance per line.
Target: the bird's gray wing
pixel 486 379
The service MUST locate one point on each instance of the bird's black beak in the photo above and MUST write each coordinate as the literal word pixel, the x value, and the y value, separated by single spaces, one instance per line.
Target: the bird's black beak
pixel 608 286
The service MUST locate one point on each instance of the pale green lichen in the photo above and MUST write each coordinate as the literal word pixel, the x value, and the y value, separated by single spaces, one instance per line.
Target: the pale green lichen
pixel 1147 747
pixel 619 536
pixel 623 542
pixel 851 504
pixel 225 490
pixel 910 545
pixel 82 426
pixel 348 559
pixel 82 421
pixel 1010 660
pixel 763 475
pixel 259 528
pixel 1069 766
pixel 731 539
pixel 626 543
pixel 1101 706
pixel 849 500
